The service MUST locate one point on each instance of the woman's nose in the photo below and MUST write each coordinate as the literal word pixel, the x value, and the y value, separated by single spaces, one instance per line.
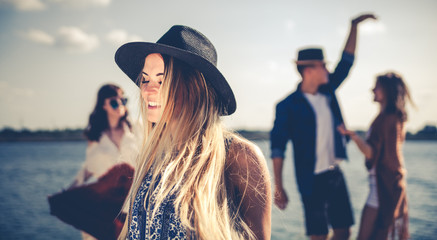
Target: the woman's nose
pixel 152 87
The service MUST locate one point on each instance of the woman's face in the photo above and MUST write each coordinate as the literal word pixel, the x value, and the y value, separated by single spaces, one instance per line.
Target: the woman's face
pixel 378 93
pixel 115 106
pixel 153 75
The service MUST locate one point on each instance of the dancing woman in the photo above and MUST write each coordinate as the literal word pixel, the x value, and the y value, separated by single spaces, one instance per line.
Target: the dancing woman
pixel 385 212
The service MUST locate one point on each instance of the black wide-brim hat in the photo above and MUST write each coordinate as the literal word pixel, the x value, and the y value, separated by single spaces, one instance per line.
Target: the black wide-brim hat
pixel 187 45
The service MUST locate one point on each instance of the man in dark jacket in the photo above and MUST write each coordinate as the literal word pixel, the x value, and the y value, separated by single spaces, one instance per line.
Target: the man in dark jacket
pixel 309 118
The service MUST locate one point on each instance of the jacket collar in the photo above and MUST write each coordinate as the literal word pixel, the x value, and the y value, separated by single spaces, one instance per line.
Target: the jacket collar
pixel 321 90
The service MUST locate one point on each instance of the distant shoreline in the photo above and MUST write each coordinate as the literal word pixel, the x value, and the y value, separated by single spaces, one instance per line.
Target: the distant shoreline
pixel 428 133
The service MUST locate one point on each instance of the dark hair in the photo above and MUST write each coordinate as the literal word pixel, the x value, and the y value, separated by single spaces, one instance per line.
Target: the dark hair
pixel 98 120
pixel 395 93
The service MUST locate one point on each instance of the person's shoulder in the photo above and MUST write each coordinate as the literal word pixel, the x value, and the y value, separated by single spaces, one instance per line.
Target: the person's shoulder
pixel 289 99
pixel 137 129
pixel 389 118
pixel 92 143
pixel 92 148
pixel 241 144
pixel 243 154
pixel 385 121
pixel 246 166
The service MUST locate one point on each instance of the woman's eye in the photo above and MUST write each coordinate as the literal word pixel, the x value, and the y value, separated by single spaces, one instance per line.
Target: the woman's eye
pixel 160 82
pixel 145 81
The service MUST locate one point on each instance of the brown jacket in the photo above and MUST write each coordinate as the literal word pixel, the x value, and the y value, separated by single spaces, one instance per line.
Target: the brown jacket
pixel 386 138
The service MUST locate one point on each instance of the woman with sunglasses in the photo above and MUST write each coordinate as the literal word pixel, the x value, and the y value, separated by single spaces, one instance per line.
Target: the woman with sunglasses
pixel 194 179
pixel 111 141
pixel 385 214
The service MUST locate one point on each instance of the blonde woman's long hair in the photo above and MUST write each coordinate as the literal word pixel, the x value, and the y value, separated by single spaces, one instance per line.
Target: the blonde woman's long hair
pixel 186 148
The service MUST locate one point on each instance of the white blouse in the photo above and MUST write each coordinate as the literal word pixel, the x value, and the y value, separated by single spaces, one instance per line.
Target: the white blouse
pixel 104 154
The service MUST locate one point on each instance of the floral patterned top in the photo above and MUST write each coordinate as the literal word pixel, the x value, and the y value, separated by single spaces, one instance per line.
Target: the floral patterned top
pixel 165 224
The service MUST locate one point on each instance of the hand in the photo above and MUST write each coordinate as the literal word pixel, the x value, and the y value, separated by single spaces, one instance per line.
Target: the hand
pixel 343 131
pixel 281 199
pixel 361 18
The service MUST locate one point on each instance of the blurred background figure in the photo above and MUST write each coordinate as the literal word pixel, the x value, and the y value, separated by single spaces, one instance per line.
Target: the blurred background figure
pixel 109 134
pixel 308 117
pixel 385 214
pixel 110 156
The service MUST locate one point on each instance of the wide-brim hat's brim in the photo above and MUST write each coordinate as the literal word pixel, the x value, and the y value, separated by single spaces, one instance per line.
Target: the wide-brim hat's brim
pixel 130 58
pixel 308 62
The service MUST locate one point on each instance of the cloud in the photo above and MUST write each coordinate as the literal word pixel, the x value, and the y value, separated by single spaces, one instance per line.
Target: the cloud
pixel 365 28
pixel 273 66
pixel 83 3
pixel 74 39
pixel 71 39
pixel 38 5
pixel 9 93
pixel 39 36
pixel 118 37
pixel 25 5
pixel 289 25
pixel 369 28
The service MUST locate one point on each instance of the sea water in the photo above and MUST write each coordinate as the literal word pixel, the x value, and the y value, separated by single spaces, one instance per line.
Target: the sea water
pixel 30 171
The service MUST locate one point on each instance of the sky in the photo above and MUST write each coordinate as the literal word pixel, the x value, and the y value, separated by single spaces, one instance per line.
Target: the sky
pixel 56 54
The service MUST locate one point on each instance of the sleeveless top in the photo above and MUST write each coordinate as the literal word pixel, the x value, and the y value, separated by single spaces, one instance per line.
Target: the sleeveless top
pixel 165 224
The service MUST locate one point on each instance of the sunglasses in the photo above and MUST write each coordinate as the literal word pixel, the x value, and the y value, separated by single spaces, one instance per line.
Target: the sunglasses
pixel 114 103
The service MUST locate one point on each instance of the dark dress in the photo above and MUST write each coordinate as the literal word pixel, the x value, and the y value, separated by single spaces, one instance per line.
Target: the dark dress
pixel 386 139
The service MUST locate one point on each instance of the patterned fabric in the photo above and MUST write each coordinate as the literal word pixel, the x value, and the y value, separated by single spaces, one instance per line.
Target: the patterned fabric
pixel 165 224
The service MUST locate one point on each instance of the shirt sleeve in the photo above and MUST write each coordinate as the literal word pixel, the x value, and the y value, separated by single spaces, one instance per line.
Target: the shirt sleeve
pixel 341 71
pixel 279 134
pixel 132 144
pixel 81 175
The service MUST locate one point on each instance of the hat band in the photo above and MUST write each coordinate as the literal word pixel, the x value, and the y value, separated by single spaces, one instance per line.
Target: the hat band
pixel 309 62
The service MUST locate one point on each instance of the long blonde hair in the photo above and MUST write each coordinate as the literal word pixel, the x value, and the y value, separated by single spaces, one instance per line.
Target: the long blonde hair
pixel 186 148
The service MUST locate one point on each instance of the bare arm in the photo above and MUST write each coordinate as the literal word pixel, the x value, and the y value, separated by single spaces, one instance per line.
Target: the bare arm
pixel 352 38
pixel 250 176
pixel 342 70
pixel 364 147
pixel 281 198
